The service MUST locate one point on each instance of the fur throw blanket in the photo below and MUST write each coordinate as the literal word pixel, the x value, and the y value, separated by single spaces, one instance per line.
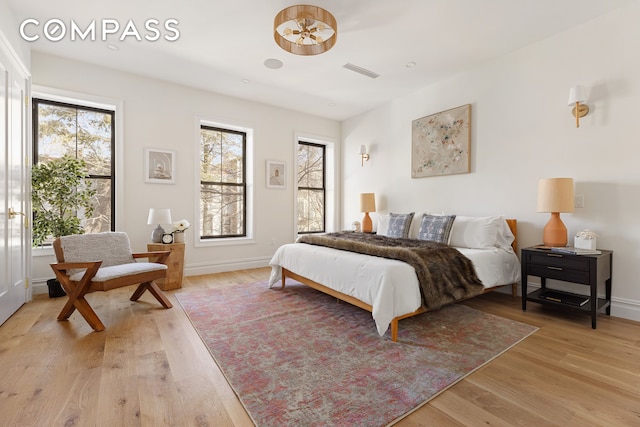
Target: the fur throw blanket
pixel 445 275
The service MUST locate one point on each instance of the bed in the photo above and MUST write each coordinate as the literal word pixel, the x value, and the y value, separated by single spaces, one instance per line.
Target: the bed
pixel 390 288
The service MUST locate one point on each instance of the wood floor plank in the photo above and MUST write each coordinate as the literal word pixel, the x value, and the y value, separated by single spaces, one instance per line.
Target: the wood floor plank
pixel 150 368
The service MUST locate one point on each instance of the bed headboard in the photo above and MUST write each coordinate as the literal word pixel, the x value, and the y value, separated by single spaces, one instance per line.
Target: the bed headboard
pixel 513 225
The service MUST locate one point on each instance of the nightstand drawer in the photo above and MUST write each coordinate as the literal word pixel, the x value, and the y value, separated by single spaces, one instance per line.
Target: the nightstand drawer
pixel 559 273
pixel 573 262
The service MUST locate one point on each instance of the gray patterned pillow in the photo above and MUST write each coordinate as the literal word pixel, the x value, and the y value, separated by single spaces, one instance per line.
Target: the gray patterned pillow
pixel 399 225
pixel 436 228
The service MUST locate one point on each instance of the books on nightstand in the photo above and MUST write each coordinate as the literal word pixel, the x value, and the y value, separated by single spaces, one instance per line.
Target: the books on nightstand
pixel 575 251
pixel 561 297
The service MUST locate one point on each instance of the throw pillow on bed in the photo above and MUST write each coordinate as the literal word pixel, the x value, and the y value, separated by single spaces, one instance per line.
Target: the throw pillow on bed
pixel 399 225
pixel 436 228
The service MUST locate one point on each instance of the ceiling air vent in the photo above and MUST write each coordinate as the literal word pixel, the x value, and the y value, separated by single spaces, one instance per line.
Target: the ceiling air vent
pixel 361 70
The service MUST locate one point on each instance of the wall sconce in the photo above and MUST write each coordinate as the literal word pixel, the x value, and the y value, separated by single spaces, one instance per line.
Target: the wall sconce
pixel 577 99
pixel 364 154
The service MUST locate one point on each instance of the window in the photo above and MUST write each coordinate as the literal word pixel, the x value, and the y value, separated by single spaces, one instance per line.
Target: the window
pixel 86 133
pixel 223 183
pixel 311 161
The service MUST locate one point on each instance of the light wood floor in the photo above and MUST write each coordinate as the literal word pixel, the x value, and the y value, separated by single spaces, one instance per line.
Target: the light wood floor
pixel 149 368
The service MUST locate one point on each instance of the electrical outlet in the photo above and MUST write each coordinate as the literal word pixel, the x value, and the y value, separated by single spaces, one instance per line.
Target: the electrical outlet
pixel 579 201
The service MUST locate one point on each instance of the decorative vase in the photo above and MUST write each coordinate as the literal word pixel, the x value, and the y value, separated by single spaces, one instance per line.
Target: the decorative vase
pixel 178 237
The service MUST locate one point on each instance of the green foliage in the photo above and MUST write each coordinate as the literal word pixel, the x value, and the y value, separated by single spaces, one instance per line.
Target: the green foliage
pixel 61 193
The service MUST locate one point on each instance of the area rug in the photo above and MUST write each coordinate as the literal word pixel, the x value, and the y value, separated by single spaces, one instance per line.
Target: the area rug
pixel 298 357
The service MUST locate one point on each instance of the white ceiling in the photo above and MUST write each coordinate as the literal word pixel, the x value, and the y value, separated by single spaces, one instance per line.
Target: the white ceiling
pixel 224 43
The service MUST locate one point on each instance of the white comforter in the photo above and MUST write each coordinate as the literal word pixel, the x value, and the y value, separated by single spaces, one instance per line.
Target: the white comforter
pixel 389 286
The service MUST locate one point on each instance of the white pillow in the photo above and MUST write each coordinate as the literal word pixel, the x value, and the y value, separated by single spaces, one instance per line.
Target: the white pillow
pixel 505 236
pixel 415 224
pixel 479 232
pixel 383 224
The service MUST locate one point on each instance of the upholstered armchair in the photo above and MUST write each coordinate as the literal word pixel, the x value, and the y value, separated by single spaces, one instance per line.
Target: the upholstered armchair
pixel 101 262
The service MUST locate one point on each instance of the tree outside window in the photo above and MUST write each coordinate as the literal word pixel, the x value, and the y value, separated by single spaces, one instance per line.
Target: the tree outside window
pixel 85 133
pixel 311 187
pixel 223 189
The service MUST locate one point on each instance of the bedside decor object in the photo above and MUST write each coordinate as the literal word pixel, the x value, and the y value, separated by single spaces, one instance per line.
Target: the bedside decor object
pixel 305 30
pixel 367 204
pixel 158 216
pixel 585 239
pixel 363 154
pixel 356 226
pixel 179 227
pixel 159 166
pixel 555 195
pixel 167 238
pixel 440 143
pixel 577 99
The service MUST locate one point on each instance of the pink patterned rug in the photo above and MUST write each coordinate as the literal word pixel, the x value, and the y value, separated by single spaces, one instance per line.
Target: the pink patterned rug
pixel 297 357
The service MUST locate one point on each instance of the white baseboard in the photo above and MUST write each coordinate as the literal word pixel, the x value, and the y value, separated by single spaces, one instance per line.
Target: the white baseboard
pixel 625 308
pixel 620 307
pixel 39 285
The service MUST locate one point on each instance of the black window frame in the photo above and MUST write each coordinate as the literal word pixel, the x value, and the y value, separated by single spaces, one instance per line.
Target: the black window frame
pixel 242 185
pixel 35 102
pixel 323 188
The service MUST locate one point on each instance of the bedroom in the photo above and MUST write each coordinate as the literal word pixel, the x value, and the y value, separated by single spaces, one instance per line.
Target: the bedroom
pixel 523 131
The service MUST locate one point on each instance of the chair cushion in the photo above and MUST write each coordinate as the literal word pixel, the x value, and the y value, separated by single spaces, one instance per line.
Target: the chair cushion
pixel 115 271
pixel 112 248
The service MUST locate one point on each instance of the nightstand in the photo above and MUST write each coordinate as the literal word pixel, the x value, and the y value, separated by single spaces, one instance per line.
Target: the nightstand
pixel 589 270
pixel 175 264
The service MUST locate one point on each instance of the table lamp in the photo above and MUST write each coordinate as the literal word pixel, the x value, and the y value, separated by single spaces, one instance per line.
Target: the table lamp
pixel 158 216
pixel 555 195
pixel 367 204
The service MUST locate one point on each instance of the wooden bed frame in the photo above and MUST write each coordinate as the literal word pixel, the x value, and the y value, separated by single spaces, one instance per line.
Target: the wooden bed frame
pixel 394 322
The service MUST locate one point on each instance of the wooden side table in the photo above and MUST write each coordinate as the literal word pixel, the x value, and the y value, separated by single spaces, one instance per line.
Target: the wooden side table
pixel 175 264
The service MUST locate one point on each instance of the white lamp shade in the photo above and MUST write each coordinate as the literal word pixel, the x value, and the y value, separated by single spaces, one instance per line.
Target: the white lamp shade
pixel 577 94
pixel 367 202
pixel 159 216
pixel 556 195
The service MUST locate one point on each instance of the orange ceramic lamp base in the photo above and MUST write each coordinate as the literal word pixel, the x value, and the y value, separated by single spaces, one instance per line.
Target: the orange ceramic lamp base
pixel 367 225
pixel 555 232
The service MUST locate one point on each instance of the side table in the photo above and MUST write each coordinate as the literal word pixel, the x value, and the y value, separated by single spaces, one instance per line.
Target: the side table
pixel 175 264
pixel 589 270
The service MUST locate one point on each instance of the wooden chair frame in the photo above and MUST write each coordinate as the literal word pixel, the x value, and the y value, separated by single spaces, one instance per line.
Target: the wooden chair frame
pixel 77 290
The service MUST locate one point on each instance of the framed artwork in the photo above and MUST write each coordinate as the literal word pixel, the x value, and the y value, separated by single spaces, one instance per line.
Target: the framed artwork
pixel 159 166
pixel 440 143
pixel 276 174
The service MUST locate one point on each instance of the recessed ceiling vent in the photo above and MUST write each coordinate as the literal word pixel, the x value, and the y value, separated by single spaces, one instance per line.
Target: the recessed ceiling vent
pixel 361 70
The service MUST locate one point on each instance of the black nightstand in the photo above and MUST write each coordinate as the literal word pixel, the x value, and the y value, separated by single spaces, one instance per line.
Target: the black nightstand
pixel 590 270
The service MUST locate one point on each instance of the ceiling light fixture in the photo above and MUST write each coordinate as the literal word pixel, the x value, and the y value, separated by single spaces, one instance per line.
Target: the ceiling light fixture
pixel 305 30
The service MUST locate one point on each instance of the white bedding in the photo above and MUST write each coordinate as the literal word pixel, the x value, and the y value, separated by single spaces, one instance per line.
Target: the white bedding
pixel 389 286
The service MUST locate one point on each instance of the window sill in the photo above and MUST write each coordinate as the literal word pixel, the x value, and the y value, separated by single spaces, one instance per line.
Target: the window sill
pixel 42 251
pixel 232 241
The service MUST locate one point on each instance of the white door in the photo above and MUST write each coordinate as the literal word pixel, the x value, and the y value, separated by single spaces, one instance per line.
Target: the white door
pixel 14 245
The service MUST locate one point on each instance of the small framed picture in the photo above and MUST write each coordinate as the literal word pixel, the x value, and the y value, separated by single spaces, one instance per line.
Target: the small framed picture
pixel 159 166
pixel 276 174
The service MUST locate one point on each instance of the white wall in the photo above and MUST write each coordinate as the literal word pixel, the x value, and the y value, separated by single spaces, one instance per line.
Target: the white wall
pixel 11 35
pixel 522 130
pixel 163 115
